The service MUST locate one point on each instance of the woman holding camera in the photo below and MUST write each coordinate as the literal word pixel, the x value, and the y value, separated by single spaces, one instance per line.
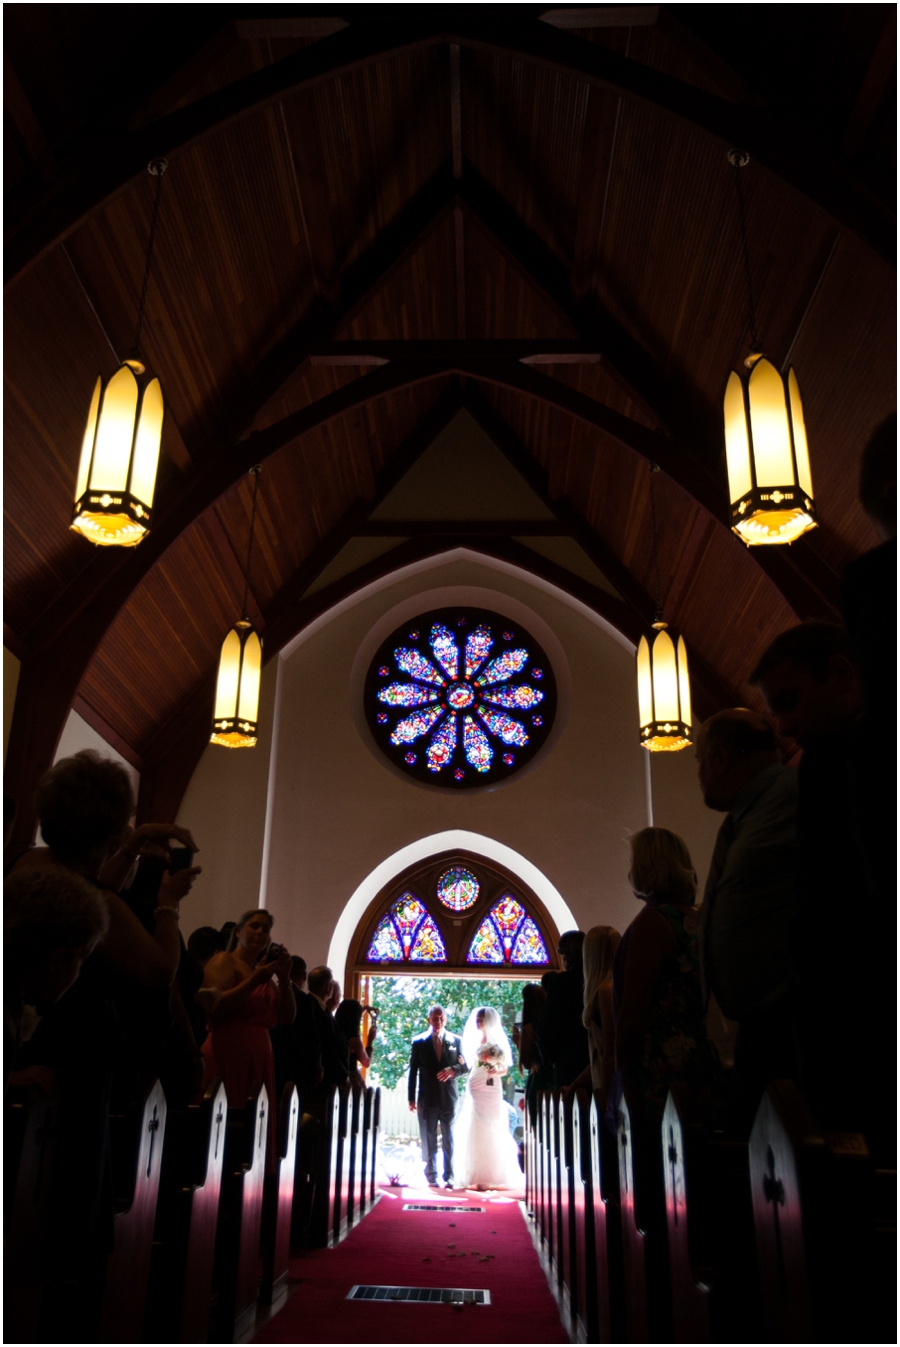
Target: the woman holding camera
pixel 245 994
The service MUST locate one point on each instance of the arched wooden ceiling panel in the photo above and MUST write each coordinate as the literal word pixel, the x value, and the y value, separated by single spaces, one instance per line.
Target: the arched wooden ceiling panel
pixel 193 595
pixel 846 361
pixel 610 488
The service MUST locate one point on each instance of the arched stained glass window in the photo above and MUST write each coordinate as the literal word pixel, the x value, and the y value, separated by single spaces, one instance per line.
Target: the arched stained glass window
pixel 407 931
pixel 508 935
pixel 458 889
pixel 460 697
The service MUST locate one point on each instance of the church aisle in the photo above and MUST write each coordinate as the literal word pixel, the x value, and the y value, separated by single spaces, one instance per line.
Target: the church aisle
pixel 490 1250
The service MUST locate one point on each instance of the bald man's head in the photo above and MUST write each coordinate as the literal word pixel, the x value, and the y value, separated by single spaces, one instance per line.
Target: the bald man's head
pixel 732 747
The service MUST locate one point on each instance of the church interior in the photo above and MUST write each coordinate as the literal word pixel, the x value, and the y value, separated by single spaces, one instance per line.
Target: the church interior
pixel 446 305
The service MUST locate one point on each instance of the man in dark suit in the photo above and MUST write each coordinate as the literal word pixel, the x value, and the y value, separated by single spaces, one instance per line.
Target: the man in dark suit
pixel 435 1062
pixel 333 1052
pixel 562 1037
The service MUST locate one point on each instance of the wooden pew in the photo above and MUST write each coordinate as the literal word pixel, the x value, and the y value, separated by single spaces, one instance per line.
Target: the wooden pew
pixel 341 1107
pixel 551 1189
pixel 712 1252
pixel 633 1236
pixel 365 1152
pixel 826 1271
pixel 567 1262
pixel 684 1158
pixel 605 1277
pixel 530 1165
pixel 181 1274
pixel 128 1268
pixel 540 1172
pixel 374 1135
pixel 584 1304
pixel 240 1217
pixel 355 1119
pixel 279 1199
pixel 349 1160
pixel 29 1131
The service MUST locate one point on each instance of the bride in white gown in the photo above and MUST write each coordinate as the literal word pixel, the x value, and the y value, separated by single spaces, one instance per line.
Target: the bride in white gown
pixel 486 1152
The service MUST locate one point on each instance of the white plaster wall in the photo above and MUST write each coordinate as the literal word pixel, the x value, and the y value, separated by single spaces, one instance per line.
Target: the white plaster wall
pixel 225 808
pixel 78 735
pixel 337 810
pixel 341 822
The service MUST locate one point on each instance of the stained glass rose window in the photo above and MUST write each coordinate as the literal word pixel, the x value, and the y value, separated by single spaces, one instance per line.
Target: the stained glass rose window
pixel 460 697
pixel 458 889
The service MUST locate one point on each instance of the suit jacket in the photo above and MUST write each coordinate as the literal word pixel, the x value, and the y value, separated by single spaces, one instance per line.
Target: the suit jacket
pixel 334 1054
pixel 561 1035
pixel 424 1067
pixel 297 1050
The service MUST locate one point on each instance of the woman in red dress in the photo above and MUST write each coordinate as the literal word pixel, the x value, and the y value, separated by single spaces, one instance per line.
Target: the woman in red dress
pixel 245 996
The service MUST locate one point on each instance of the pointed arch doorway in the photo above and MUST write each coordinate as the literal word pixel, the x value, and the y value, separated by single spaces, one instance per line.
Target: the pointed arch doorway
pixel 454 914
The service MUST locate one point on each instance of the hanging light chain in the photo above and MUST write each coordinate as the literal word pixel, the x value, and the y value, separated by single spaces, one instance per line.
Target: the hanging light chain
pixel 157 167
pixel 740 159
pixel 254 473
pixel 654 469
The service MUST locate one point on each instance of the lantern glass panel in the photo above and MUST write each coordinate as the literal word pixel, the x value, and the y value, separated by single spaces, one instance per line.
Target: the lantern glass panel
pixel 665 678
pixel 147 442
pixel 801 446
pixel 115 433
pixel 645 684
pixel 737 445
pixel 87 444
pixel 684 682
pixel 770 429
pixel 248 707
pixel 229 673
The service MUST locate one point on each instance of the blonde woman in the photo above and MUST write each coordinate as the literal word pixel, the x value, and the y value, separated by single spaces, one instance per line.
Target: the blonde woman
pixel 600 945
pixel 660 1033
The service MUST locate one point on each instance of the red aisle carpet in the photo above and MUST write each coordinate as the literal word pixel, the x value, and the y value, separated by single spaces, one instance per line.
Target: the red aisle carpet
pixel 413 1248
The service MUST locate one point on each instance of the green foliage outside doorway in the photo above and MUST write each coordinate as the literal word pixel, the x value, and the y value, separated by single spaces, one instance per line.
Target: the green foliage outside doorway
pixel 404 1002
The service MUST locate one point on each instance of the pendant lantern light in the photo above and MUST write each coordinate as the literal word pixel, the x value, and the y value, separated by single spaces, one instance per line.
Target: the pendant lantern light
pixel 120 449
pixel 769 479
pixel 664 690
pixel 236 711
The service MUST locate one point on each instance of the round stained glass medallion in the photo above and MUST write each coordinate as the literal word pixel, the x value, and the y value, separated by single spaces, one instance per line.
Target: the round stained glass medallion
pixel 458 889
pixel 458 685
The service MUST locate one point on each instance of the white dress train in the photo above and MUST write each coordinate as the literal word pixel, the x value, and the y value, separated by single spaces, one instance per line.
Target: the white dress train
pixel 485 1149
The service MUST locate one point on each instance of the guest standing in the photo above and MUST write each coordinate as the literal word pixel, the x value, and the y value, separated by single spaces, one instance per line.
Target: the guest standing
pixel 600 945
pixel 660 1034
pixel 562 1037
pixel 750 897
pixel 255 996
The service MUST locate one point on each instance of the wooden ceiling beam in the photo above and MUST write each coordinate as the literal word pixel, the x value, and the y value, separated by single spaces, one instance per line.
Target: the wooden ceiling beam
pixel 440 528
pixel 806 582
pixel 531 351
pixel 75 196
pixel 624 359
pixel 787 152
pixel 395 245
pixel 716 693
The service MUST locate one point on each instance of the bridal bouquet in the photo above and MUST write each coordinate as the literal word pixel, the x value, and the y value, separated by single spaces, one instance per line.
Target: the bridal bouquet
pixel 492 1059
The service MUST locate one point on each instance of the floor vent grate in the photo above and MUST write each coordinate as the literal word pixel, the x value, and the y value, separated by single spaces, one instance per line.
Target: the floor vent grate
pixel 421 1295
pixel 437 1206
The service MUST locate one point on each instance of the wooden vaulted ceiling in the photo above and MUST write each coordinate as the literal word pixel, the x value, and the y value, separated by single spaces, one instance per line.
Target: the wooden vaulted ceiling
pixel 377 215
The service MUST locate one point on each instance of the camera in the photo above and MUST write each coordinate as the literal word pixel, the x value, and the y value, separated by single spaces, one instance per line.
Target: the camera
pixel 274 952
pixel 371 1010
pixel 180 858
